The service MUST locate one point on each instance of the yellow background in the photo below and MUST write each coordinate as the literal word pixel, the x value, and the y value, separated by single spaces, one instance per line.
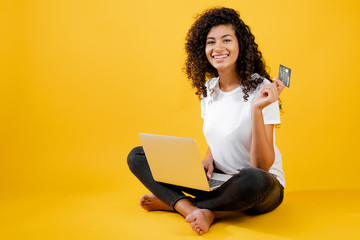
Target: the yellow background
pixel 80 79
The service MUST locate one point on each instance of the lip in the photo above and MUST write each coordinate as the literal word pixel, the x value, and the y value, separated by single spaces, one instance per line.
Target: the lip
pixel 220 59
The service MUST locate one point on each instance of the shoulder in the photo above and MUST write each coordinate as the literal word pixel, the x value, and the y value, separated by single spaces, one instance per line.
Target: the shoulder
pixel 211 83
pixel 210 86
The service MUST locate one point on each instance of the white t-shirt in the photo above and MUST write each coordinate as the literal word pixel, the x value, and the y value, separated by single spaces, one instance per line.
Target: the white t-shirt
pixel 228 127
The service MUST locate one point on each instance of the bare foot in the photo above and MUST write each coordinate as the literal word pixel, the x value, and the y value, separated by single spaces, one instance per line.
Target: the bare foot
pixel 200 220
pixel 152 203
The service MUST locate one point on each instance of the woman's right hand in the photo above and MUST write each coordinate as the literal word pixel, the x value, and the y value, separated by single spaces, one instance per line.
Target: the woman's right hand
pixel 208 166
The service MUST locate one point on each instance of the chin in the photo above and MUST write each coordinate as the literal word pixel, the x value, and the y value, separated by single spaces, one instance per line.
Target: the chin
pixel 221 68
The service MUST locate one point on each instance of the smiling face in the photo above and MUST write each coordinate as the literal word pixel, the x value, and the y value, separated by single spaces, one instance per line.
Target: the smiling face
pixel 222 47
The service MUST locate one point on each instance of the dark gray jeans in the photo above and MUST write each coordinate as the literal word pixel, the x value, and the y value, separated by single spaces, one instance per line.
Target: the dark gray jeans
pixel 252 190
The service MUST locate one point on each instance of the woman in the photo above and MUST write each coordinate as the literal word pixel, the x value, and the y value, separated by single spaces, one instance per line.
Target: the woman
pixel 240 107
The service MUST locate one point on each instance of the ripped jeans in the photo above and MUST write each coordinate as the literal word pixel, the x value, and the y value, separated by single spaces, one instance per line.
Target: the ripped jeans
pixel 252 190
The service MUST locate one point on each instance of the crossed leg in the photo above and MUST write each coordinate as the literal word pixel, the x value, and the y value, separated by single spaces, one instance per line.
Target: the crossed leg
pixel 200 219
pixel 251 189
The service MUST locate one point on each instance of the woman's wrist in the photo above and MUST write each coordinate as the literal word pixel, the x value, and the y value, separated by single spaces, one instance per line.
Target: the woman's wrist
pixel 257 109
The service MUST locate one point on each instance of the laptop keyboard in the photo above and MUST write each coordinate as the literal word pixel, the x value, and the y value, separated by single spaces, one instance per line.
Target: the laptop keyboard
pixel 215 183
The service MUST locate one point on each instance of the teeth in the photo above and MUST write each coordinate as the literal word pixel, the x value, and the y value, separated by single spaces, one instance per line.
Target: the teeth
pixel 222 56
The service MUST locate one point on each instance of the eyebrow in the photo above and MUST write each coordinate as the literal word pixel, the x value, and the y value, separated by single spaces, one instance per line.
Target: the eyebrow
pixel 221 37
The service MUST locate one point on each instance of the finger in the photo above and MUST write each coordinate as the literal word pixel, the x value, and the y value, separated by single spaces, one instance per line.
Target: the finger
pixel 269 86
pixel 278 82
pixel 272 92
pixel 204 166
pixel 275 91
pixel 210 171
pixel 275 94
pixel 267 89
pixel 280 85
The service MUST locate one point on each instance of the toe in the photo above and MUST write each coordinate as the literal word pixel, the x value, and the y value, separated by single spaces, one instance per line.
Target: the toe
pixel 187 219
pixel 143 198
pixel 190 218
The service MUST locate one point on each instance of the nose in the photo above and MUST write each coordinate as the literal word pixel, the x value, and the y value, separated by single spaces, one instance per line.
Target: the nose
pixel 218 47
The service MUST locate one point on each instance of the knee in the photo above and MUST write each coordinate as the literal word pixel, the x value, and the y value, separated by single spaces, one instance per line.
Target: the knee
pixel 257 181
pixel 134 156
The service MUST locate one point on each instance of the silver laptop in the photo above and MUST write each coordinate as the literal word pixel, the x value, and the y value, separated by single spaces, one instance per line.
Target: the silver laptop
pixel 177 161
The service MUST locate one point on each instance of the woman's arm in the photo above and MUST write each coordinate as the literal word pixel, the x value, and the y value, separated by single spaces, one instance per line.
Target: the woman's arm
pixel 208 163
pixel 262 153
pixel 262 148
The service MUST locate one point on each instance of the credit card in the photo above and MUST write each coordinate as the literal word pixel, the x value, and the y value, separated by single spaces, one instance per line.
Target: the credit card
pixel 284 75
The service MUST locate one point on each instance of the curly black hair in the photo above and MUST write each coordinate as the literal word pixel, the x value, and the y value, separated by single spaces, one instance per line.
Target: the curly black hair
pixel 250 60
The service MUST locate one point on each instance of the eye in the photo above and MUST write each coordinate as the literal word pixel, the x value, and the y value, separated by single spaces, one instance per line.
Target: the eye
pixel 210 42
pixel 227 40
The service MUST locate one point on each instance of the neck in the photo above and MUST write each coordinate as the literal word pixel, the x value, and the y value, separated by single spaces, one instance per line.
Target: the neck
pixel 229 80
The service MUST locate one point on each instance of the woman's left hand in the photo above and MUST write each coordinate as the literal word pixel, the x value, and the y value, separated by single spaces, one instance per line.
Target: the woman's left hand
pixel 268 94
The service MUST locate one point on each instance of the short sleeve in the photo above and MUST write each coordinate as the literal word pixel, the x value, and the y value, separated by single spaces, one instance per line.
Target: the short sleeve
pixel 271 113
